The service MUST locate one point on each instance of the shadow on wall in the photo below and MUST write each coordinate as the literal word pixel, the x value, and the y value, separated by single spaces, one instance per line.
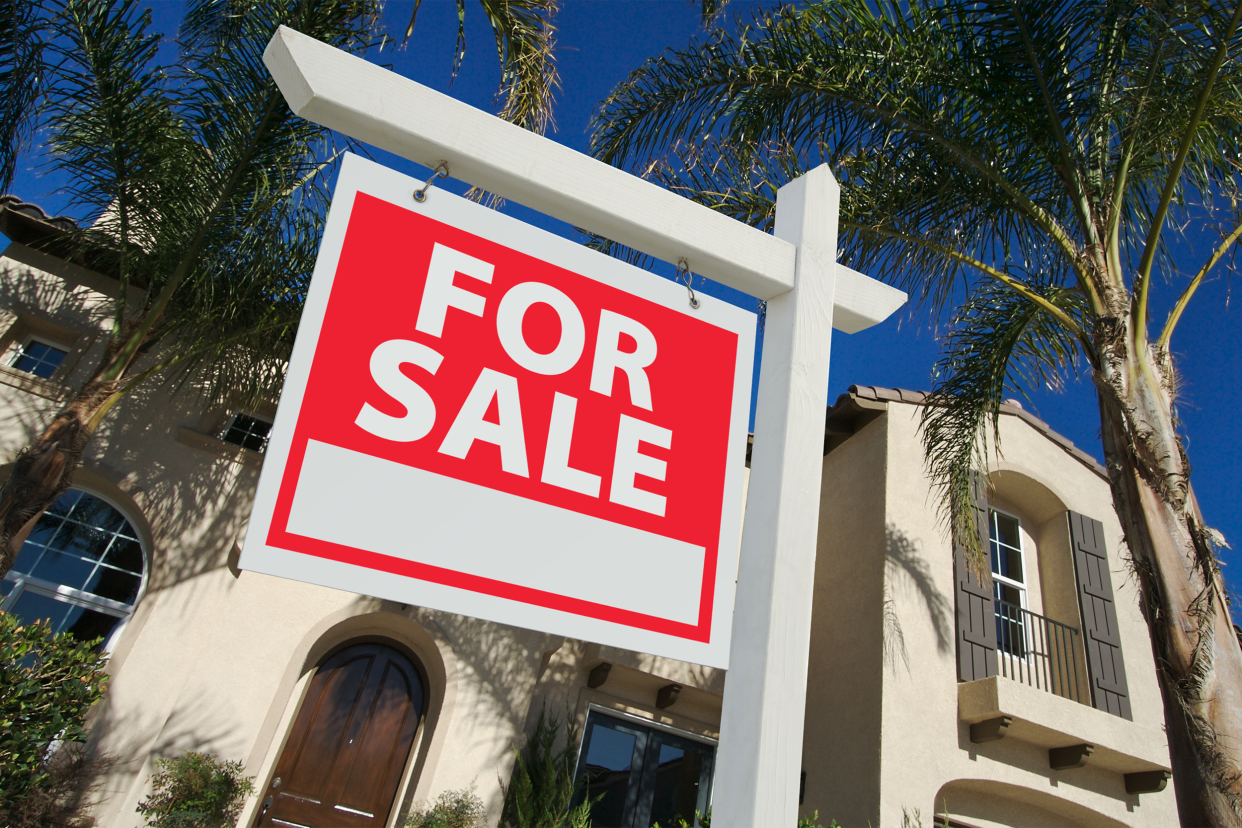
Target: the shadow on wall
pixel 126 737
pixel 22 292
pixel 905 559
pixel 495 669
pixel 196 503
pixel 1022 807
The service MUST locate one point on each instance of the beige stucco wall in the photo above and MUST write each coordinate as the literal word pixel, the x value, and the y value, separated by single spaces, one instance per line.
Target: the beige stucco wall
pixel 841 742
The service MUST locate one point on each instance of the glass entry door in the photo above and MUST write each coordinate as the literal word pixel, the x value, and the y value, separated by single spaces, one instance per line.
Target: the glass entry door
pixel 642 775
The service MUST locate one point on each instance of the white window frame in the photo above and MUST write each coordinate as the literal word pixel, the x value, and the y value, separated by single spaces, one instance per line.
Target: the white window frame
pixel 1028 651
pixel 1021 548
pixel 20 351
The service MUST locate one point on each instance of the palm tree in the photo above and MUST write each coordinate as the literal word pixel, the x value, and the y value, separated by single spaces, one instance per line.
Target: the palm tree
pixel 207 194
pixel 1034 157
pixel 207 203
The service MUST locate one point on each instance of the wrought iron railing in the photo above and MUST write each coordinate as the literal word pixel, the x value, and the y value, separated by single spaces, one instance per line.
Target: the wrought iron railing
pixel 1038 651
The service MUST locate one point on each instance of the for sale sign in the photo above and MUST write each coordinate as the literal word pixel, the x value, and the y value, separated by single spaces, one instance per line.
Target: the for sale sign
pixel 485 418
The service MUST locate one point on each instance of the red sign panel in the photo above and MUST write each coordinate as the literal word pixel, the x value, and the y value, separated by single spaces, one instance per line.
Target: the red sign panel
pixel 485 418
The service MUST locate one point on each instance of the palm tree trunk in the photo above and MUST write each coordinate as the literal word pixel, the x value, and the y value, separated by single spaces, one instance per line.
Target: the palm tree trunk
pixel 1183 596
pixel 44 469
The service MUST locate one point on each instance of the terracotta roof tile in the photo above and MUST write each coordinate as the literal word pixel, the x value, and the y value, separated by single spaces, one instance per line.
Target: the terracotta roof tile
pixel 36 212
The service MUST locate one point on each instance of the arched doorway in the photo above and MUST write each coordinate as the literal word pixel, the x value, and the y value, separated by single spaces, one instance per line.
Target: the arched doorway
pixel 349 744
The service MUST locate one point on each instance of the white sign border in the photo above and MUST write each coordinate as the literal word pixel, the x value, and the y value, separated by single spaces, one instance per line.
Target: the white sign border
pixel 361 175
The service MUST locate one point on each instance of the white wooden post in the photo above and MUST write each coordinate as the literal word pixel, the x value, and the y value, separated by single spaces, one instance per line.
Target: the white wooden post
pixel 807 292
pixel 760 755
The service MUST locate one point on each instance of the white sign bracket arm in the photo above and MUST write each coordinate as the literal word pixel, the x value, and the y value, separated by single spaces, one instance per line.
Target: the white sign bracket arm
pixel 364 101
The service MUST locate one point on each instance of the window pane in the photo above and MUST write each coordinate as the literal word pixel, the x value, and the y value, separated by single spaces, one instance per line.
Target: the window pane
pixel 609 761
pixel 1007 530
pixel 87 625
pixel 86 541
pixel 1011 563
pixel 1010 623
pixel 677 785
pixel 32 607
pixel 65 503
pixel 114 584
pixel 126 554
pixel 60 568
pixel 27 558
pixel 98 513
pixel 1006 547
pixel 39 359
pixel 248 432
pixel 1008 594
pixel 44 529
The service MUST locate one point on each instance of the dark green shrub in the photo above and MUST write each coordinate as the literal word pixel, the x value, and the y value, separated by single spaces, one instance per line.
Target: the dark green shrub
pixel 196 790
pixel 541 792
pixel 705 821
pixel 453 809
pixel 47 684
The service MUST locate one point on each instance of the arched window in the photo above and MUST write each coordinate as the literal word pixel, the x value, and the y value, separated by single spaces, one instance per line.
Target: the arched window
pixel 82 568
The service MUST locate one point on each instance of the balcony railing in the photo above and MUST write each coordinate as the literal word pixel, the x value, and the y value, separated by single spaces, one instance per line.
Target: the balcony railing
pixel 1038 651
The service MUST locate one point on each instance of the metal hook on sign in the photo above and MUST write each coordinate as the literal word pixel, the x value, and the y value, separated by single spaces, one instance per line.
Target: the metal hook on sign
pixel 441 171
pixel 687 278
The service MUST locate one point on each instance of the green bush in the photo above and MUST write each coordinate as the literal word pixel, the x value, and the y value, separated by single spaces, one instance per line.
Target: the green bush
pixel 196 790
pixel 47 684
pixel 542 789
pixel 453 809
pixel 705 821
pixel 907 821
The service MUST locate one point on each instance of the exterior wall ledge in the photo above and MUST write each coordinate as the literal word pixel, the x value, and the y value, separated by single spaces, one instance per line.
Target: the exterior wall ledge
pixel 697 676
pixel 34 385
pixel 214 445
pixel 1049 721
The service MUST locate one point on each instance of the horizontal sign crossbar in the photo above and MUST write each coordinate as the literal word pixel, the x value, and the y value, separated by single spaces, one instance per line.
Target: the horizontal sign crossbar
pixel 370 103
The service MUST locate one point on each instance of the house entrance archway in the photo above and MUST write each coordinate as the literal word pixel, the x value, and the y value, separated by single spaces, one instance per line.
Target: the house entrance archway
pixel 350 742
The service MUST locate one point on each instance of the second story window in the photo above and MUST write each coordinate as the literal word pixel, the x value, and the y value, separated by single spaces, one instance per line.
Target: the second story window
pixel 1008 580
pixel 39 358
pixel 248 431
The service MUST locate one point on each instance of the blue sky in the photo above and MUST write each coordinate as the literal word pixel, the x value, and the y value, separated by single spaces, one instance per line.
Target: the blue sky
pixel 601 41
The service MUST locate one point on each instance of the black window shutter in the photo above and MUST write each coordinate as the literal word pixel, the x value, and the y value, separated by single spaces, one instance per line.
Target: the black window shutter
pixel 976 609
pixel 1099 616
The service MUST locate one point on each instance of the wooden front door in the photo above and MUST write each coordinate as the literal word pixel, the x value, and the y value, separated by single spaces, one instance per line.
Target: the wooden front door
pixel 344 758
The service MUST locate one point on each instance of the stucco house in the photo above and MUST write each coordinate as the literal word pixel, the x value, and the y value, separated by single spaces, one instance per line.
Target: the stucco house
pixel 1027 698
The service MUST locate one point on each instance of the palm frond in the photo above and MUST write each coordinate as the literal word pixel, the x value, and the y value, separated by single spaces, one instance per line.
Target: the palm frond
pixel 116 133
pixel 211 197
pixel 22 45
pixel 526 45
pixel 999 343
pixel 970 138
